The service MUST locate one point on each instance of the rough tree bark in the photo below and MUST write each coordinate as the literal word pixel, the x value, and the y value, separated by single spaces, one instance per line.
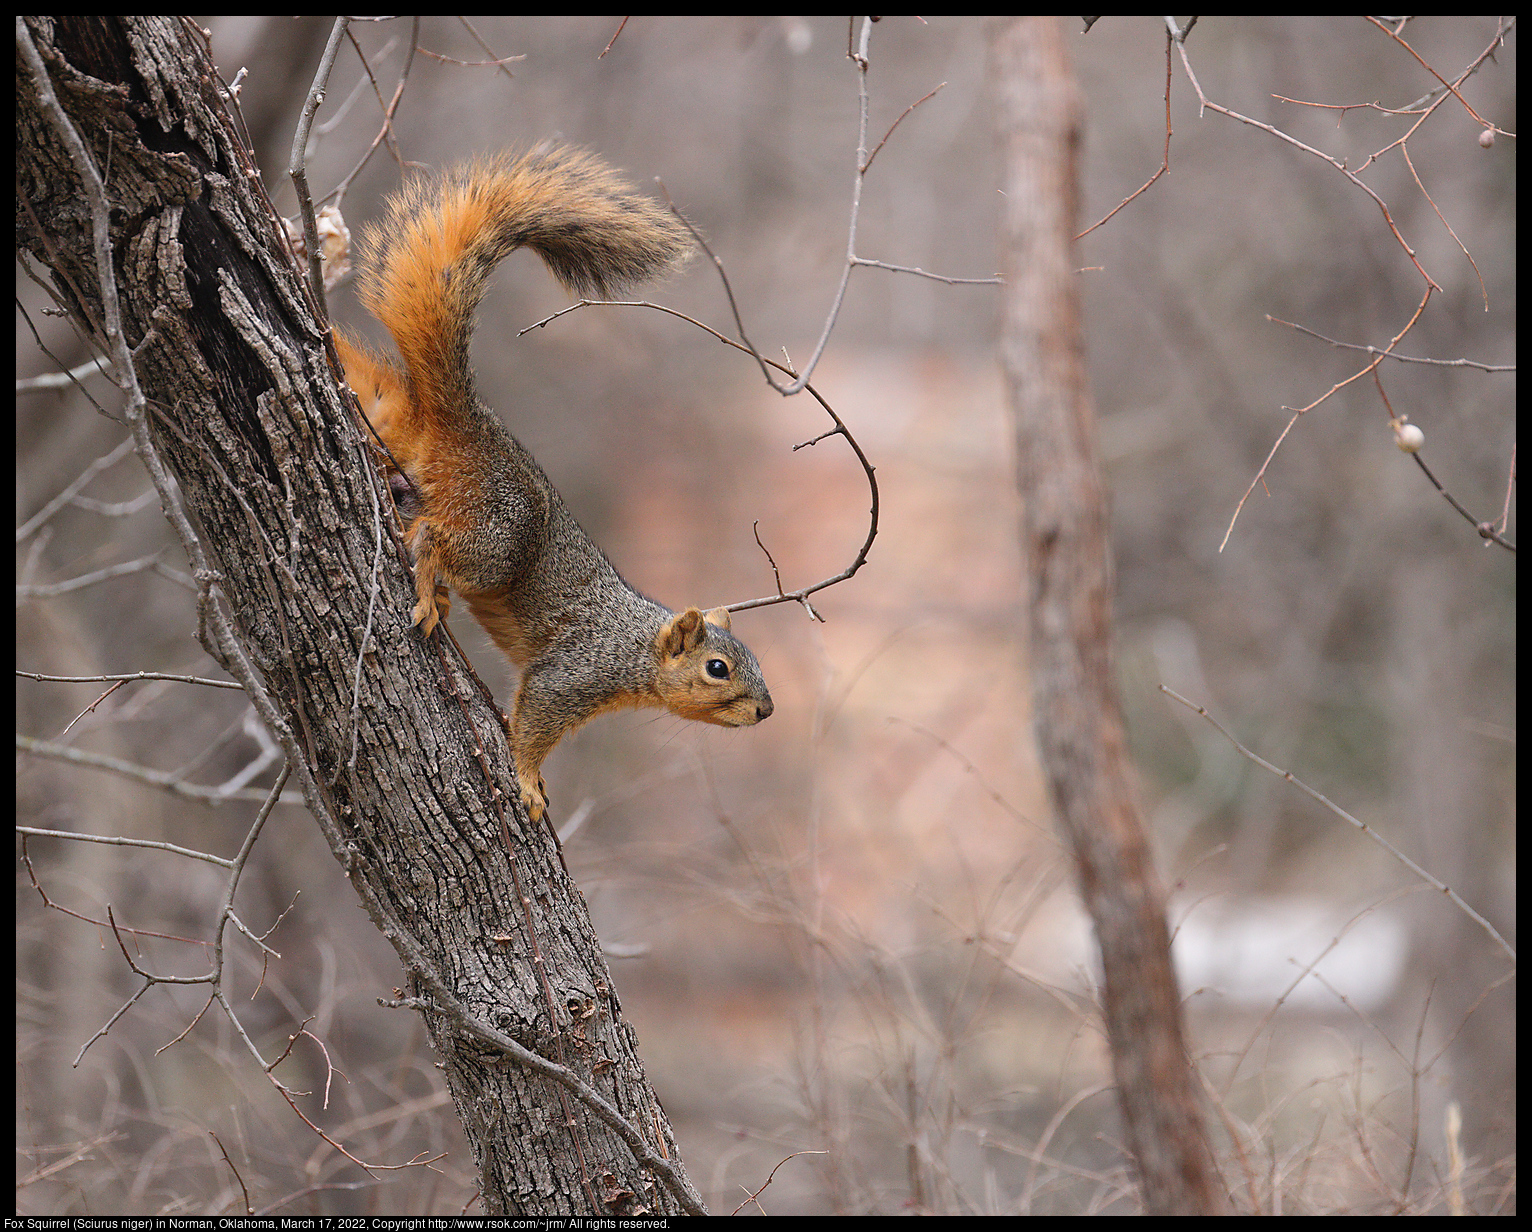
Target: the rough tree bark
pixel 399 756
pixel 1078 724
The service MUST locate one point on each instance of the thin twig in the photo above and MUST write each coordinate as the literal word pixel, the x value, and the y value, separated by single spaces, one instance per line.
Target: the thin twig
pixel 1510 486
pixel 890 133
pixel 115 840
pixel 756 1194
pixel 497 61
pixel 249 1210
pixel 755 527
pixel 1403 359
pixel 1303 410
pixel 1486 530
pixel 74 489
pixel 1504 27
pixel 840 429
pixel 1164 161
pixel 1382 842
pixel 612 42
pixel 860 59
pixel 994 281
pixel 1449 87
pixel 95 366
pixel 215 684
pixel 1409 162
pixel 385 132
pixel 297 168
pixel 164 780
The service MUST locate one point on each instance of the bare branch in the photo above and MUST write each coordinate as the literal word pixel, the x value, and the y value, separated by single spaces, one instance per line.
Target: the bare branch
pixel 1170 38
pixel 113 840
pixel 1403 359
pixel 215 684
pixel 170 782
pixel 795 596
pixel 297 165
pixel 1377 838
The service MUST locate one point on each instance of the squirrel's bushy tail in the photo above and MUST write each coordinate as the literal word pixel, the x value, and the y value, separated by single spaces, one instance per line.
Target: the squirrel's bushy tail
pixel 427 263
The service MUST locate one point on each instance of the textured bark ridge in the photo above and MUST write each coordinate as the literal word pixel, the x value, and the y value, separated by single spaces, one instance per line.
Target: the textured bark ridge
pixel 397 752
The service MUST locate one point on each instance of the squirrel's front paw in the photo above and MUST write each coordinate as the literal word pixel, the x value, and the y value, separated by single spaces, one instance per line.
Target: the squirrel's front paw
pixel 534 797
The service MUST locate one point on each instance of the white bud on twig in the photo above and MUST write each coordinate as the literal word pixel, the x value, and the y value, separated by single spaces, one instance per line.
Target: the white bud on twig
pixel 1408 437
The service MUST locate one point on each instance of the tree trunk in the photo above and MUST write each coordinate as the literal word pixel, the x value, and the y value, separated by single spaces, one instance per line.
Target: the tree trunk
pixel 1079 728
pixel 399 755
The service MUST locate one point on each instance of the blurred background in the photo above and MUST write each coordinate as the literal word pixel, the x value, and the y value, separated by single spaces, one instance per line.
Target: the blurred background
pixel 851 931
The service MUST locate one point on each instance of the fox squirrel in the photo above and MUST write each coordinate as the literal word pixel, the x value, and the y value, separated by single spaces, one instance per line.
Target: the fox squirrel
pixel 480 514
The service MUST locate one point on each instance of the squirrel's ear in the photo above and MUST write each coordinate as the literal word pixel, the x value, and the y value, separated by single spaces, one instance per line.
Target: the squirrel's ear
pixel 718 616
pixel 680 633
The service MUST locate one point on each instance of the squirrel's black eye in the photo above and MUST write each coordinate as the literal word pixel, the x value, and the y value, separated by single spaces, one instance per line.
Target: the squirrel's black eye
pixel 717 669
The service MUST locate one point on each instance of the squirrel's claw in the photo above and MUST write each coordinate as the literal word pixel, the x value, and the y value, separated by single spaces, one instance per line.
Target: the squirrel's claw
pixel 535 798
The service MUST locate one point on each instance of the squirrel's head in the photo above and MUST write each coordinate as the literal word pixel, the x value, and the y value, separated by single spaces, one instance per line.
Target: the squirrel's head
pixel 708 674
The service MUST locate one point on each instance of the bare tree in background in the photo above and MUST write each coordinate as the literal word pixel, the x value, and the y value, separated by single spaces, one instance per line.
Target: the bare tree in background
pixel 1074 695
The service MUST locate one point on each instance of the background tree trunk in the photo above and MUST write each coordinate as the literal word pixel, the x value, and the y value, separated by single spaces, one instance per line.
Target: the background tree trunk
pixel 398 754
pixel 1074 695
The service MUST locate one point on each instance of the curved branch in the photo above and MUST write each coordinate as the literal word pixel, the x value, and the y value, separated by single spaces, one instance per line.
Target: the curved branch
pixel 793 596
